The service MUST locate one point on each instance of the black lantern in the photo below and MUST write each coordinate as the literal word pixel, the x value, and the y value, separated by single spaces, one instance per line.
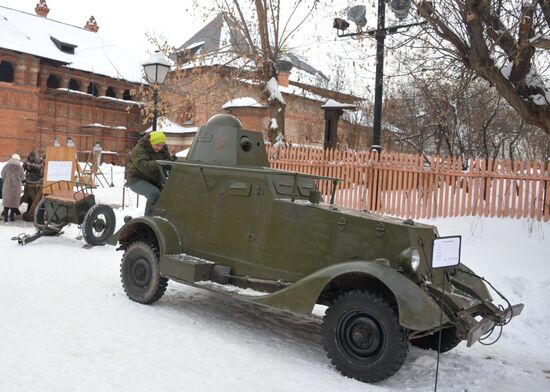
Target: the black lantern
pixel 156 68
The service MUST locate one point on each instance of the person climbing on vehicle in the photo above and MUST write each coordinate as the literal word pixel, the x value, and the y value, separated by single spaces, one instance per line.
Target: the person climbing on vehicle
pixel 144 176
pixel 13 176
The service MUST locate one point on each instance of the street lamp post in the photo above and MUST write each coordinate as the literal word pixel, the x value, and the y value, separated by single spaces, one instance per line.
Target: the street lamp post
pixel 357 15
pixel 156 68
pixel 379 77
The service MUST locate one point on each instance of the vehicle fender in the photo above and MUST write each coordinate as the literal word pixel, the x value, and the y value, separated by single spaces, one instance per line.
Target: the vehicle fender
pixel 167 236
pixel 417 310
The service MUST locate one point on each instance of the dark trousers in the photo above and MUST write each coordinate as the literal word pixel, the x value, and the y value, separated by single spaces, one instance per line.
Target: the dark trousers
pixel 151 192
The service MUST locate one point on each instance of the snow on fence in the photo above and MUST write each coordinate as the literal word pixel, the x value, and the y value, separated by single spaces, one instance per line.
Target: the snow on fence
pixel 410 186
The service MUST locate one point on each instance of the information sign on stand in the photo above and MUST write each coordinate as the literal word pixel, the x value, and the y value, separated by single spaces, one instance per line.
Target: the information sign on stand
pixel 445 254
pixel 446 251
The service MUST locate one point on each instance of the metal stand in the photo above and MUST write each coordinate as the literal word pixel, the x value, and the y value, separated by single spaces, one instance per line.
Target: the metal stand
pixel 439 334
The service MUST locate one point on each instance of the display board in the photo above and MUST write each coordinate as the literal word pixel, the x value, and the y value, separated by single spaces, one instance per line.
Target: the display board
pixel 60 164
pixel 446 251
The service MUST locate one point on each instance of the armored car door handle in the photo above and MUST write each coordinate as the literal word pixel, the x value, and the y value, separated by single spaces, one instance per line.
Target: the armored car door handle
pixel 380 230
pixel 341 224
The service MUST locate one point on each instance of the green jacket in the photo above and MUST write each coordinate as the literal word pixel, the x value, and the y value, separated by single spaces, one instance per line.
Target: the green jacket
pixel 142 163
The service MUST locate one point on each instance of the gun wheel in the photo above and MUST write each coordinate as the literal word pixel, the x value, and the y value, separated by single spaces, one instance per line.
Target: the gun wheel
pixel 363 338
pixel 98 224
pixel 41 221
pixel 140 273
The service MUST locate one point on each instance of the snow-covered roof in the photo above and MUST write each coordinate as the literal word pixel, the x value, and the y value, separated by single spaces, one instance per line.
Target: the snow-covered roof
pixel 168 126
pixel 331 103
pixel 244 102
pixel 36 35
pixel 222 34
pixel 298 91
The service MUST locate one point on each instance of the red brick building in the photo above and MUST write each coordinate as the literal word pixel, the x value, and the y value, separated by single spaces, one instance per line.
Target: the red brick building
pixel 231 89
pixel 59 81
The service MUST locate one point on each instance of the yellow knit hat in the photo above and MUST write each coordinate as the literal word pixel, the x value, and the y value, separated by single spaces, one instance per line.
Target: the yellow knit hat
pixel 157 137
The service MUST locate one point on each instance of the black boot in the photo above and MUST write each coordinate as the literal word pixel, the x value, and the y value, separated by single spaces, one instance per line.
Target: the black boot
pixel 12 212
pixel 5 214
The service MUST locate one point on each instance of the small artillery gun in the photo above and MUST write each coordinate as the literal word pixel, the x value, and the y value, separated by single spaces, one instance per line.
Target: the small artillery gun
pixel 67 202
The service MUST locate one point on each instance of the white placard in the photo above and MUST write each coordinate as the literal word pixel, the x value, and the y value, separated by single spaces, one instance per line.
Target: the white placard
pixel 446 252
pixel 59 170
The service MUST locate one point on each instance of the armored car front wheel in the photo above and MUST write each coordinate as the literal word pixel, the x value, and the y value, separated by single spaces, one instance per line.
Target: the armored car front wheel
pixel 140 273
pixel 363 338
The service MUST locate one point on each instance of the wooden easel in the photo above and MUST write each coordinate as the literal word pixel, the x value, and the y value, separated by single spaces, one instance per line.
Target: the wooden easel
pixel 93 173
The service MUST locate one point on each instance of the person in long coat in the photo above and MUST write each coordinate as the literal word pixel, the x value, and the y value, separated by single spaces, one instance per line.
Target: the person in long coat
pixel 13 176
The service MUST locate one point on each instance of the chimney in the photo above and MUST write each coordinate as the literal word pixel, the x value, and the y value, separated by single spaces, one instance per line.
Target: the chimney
pixel 42 9
pixel 282 78
pixel 91 25
pixel 284 65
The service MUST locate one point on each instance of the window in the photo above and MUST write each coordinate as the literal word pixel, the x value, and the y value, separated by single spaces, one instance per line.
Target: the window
pixel 189 114
pixel 74 85
pixel 63 46
pixel 53 81
pixel 110 92
pixel 126 95
pixel 6 72
pixel 93 89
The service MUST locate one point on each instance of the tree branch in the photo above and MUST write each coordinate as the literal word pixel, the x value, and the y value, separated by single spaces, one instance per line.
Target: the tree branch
pixel 525 51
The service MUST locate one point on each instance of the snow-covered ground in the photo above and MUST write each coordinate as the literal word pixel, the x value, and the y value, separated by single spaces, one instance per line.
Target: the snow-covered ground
pixel 66 324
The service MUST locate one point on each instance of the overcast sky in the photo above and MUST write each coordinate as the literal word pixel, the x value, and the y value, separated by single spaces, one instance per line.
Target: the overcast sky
pixel 126 23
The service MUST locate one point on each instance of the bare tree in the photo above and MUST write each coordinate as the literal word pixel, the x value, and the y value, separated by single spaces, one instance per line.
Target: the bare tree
pixel 463 117
pixel 503 42
pixel 266 34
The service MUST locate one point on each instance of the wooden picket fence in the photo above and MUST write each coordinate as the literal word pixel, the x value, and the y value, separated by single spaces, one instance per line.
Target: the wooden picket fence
pixel 407 185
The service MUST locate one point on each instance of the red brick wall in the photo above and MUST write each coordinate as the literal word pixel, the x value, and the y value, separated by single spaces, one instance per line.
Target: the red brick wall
pixel 31 114
pixel 354 135
pixel 253 119
pixel 18 114
pixel 304 118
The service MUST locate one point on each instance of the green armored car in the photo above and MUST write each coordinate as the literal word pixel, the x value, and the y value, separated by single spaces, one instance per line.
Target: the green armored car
pixel 226 221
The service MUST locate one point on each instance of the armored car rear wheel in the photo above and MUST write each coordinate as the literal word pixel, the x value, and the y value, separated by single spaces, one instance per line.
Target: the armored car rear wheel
pixel 363 338
pixel 449 340
pixel 140 273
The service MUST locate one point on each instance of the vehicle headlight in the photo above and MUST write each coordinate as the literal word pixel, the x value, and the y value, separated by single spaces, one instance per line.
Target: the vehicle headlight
pixel 415 259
